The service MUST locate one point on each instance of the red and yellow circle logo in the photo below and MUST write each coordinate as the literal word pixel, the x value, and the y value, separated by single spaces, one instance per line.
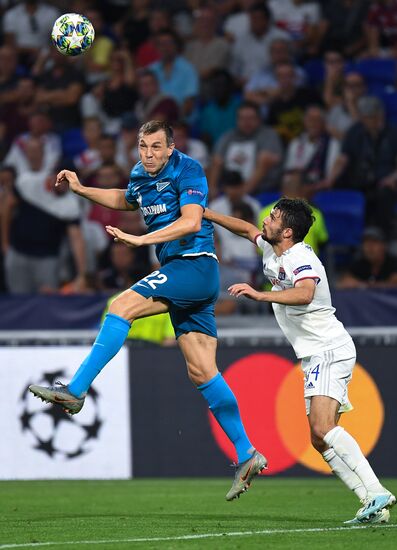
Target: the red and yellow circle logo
pixel 269 390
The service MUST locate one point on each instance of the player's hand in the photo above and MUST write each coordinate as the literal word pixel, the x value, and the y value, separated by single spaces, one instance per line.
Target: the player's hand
pixel 243 289
pixel 121 237
pixel 70 178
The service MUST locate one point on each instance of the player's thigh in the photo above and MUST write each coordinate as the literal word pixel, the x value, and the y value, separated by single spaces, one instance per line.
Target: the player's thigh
pixel 199 351
pixel 328 374
pixel 130 305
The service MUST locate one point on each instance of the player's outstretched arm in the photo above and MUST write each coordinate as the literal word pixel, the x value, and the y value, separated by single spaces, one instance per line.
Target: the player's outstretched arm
pixel 188 223
pixel 112 198
pixel 301 294
pixel 235 225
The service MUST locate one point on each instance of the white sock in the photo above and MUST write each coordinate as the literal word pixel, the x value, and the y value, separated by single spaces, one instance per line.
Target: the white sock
pixel 345 474
pixel 347 449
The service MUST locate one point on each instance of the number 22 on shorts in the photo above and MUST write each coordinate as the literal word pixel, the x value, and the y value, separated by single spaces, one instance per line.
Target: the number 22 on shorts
pixel 154 279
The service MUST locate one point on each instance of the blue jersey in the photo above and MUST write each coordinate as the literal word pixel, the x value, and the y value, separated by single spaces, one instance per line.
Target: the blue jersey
pixel 160 198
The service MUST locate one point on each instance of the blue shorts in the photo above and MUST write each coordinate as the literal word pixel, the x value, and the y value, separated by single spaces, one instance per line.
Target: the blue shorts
pixel 191 286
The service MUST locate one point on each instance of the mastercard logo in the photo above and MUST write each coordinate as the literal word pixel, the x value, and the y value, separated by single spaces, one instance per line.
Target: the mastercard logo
pixel 269 390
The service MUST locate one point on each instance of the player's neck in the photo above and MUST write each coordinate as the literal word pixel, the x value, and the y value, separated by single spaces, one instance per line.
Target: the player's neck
pixel 282 247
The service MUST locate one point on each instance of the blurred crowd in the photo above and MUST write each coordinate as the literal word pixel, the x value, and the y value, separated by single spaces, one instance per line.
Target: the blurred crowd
pixel 276 97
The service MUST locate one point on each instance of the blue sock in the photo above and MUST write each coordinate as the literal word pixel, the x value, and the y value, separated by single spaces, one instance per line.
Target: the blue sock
pixel 224 407
pixel 108 342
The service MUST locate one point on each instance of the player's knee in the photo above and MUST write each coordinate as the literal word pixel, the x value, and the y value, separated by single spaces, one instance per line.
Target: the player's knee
pixel 317 433
pixel 123 309
pixel 318 443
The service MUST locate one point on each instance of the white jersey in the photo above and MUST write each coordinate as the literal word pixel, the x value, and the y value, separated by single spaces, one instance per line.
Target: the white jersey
pixel 310 328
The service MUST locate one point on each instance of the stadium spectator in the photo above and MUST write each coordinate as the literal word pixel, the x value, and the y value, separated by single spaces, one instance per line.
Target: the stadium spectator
pixel 374 267
pixel 236 18
pixel 135 24
pixel 7 182
pixel 15 115
pixel 235 253
pixel 147 52
pixel 237 23
pixel 332 88
pixel 39 128
pixel 293 187
pixel 262 87
pixel 301 20
pixel 36 220
pixel 8 76
pixel 108 176
pixel 176 76
pixel 127 144
pixel 368 163
pixel 344 114
pixel 252 149
pixel 111 99
pixel 152 104
pixel 342 26
pixel 314 151
pixel 97 59
pixel 192 147
pixel 233 193
pixel 206 51
pixel 250 52
pixel 59 89
pixel 27 26
pixel 381 30
pixel 107 149
pixel 219 114
pixel 286 111
pixel 123 270
pixel 90 158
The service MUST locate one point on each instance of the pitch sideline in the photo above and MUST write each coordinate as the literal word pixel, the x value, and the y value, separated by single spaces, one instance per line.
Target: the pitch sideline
pixel 196 537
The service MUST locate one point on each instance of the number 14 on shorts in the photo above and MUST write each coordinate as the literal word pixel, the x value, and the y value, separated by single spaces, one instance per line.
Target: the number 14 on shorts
pixel 311 376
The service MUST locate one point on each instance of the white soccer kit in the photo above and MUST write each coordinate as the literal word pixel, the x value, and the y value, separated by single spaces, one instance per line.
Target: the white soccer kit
pixel 327 351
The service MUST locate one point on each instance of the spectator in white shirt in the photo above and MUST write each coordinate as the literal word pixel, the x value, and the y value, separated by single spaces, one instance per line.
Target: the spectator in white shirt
pixel 251 51
pixel 314 151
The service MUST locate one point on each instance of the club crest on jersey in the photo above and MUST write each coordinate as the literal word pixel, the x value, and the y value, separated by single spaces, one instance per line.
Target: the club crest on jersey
pixel 160 185
pixel 281 274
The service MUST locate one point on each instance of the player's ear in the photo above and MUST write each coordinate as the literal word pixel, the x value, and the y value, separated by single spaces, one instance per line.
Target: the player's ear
pixel 171 148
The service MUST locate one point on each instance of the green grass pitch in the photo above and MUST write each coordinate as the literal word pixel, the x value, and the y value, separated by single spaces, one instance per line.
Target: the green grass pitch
pixel 174 513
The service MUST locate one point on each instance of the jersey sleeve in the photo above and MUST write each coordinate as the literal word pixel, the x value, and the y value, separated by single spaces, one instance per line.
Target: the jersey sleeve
pixel 131 196
pixel 192 185
pixel 300 269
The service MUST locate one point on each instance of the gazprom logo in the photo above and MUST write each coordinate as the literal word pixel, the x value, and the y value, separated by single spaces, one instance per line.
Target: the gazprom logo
pixel 153 209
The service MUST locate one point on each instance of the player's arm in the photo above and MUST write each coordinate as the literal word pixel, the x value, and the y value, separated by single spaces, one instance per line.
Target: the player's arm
pixel 78 247
pixel 188 223
pixel 111 198
pixel 301 294
pixel 235 225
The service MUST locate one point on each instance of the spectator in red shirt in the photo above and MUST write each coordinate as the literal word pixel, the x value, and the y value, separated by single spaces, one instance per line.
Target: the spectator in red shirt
pixel 381 28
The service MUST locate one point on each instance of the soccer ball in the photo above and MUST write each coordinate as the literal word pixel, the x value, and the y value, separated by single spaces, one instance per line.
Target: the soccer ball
pixel 72 34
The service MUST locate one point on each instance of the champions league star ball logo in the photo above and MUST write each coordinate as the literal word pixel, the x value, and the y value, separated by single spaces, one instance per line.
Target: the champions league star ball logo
pixel 53 432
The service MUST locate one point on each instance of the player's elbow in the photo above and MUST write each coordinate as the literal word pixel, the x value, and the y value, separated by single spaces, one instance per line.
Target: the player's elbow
pixel 194 225
pixel 307 297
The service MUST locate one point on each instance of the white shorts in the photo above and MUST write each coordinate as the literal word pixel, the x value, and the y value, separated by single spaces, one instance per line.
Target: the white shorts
pixel 328 373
